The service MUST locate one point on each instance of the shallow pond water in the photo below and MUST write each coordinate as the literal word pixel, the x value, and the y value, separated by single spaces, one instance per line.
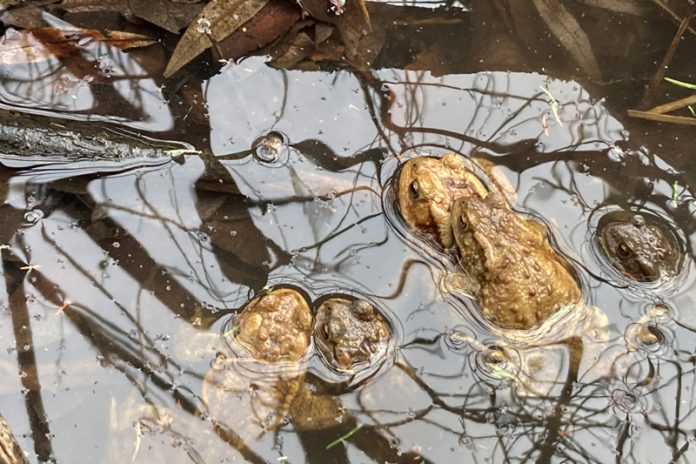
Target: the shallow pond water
pixel 120 286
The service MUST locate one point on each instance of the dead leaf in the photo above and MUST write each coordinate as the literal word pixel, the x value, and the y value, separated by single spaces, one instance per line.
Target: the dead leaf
pixel 631 7
pixel 567 30
pixel 90 6
pixel 5 4
pixel 40 44
pixel 362 43
pixel 217 20
pixel 26 17
pixel 300 48
pixel 270 23
pixel 167 14
pixel 322 32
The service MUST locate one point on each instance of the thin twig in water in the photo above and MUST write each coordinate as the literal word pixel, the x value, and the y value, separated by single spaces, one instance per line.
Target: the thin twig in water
pixel 673 14
pixel 664 65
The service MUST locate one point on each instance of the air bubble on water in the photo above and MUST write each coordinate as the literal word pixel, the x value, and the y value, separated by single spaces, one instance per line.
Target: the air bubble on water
pixel 233 233
pixel 203 26
pixel 33 216
pixel 115 244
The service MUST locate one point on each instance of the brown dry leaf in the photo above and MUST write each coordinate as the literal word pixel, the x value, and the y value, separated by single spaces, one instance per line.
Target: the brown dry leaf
pixel 218 19
pixel 41 44
pixel 270 23
pixel 5 4
pixel 89 6
pixel 26 17
pixel 363 43
pixel 300 48
pixel 166 14
pixel 567 30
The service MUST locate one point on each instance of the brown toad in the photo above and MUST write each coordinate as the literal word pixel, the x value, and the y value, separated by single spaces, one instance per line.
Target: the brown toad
pixel 517 277
pixel 349 333
pixel 427 187
pixel 276 326
pixel 254 392
pixel 638 246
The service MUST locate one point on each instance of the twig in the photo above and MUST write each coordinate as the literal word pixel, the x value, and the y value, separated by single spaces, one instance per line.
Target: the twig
pixel 675 105
pixel 674 15
pixel 662 70
pixel 662 117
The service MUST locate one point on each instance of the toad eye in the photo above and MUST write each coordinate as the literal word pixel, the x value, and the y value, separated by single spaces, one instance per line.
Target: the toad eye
pixel 413 190
pixel 623 250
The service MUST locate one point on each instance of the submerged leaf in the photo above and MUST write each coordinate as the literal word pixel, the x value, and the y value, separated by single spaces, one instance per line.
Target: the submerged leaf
pixel 216 21
pixel 272 22
pixel 166 14
pixel 362 42
pixel 300 48
pixel 569 33
pixel 43 43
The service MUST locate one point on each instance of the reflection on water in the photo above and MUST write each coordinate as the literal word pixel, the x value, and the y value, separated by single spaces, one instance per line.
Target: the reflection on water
pixel 119 287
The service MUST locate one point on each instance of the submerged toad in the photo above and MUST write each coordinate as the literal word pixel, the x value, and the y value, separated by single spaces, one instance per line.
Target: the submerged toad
pixel 638 246
pixel 254 392
pixel 349 333
pixel 517 277
pixel 427 187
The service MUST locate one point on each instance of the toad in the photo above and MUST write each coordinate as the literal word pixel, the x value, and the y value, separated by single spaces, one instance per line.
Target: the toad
pixel 349 333
pixel 518 279
pixel 427 187
pixel 638 246
pixel 256 391
pixel 276 326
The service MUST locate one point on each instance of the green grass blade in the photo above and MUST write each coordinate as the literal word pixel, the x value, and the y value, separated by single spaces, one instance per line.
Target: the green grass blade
pixel 342 438
pixel 686 85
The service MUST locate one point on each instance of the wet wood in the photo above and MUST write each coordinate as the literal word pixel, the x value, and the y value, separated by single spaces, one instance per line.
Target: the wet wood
pixel 27 137
pixel 662 117
pixel 675 105
pixel 659 76
pixel 673 14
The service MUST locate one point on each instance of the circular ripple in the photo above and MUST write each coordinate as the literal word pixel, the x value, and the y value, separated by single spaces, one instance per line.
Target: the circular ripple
pixel 495 364
pixel 660 313
pixel 459 338
pixel 271 148
pixel 649 338
pixel 625 401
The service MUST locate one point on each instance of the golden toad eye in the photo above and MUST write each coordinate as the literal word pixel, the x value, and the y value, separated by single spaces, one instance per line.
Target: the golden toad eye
pixel 413 190
pixel 623 250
